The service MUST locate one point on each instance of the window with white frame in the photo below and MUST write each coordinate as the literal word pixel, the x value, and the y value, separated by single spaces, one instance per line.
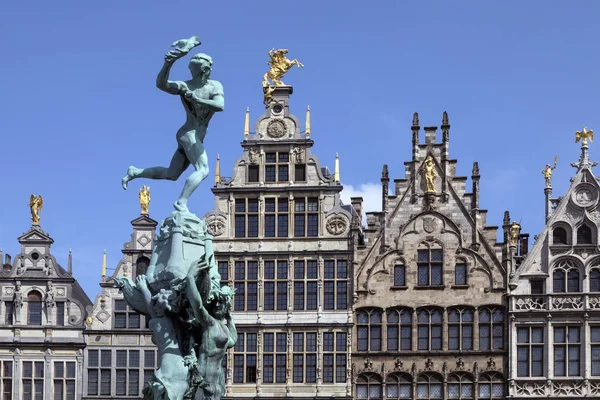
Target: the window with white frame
pixel 567 350
pixel 127 372
pixel 64 380
pixel 246 218
pixel 34 308
pixel 430 263
pixel 276 217
pixel 246 285
pixel 565 277
pixel 99 367
pixel 460 386
pixel 150 366
pixel 335 285
pixel 125 316
pixel 244 358
pixel 306 273
pixel 429 386
pixel 334 357
pixel 304 357
pixel 274 357
pixel 491 386
pixel 399 386
pixel 6 379
pixel 530 351
pixel 275 285
pixel 32 380
pixel 368 386
pixel 306 216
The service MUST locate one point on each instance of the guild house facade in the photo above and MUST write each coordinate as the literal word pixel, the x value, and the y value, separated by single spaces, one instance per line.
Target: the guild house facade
pixel 430 320
pixel 284 241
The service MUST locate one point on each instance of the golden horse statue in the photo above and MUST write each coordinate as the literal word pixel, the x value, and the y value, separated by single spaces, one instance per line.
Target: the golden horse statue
pixel 279 65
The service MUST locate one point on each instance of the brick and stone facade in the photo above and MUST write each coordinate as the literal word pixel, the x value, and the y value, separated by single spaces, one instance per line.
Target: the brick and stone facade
pixel 430 280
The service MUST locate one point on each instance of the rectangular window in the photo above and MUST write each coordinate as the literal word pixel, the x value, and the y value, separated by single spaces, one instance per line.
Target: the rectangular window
pixel 244 358
pixel 460 274
pixel 300 173
pixel 33 380
pixel 246 285
pixel 275 286
pixel 223 269
pixel 60 313
pixel 530 351
pixel 335 285
pixel 252 173
pixel 429 267
pixel 305 357
pixel 149 366
pixel 305 284
pixel 595 349
pixel 567 350
pixel 9 312
pixel 537 286
pixel 306 217
pixel 334 357
pixel 246 218
pixel 99 372
pixel 34 313
pixel 276 217
pixel 6 379
pixel 64 380
pixel 125 316
pixel 399 275
pixel 277 167
pixel 127 372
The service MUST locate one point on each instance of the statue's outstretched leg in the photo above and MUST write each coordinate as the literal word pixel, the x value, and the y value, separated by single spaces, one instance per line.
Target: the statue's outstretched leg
pixel 179 163
pixel 196 154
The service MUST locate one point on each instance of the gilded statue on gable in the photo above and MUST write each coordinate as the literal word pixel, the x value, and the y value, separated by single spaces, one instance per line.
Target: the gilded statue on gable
pixel 35 204
pixel 515 229
pixel 430 174
pixel 144 196
pixel 548 172
pixel 584 135
pixel 279 65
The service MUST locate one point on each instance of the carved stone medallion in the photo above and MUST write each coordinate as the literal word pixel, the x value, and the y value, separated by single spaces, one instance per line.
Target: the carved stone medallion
pixel 585 195
pixel 429 224
pixel 276 129
pixel 337 225
pixel 215 225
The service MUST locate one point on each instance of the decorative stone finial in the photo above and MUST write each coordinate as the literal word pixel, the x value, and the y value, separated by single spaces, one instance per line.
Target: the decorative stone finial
pixel 445 119
pixel 384 173
pixel 247 123
pixel 307 121
pixel 104 264
pixel 475 171
pixel 218 171
pixel 584 159
pixel 415 121
pixel 336 174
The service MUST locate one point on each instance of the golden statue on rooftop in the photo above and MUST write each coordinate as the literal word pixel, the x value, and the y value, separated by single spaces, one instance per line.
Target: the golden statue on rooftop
pixel 584 135
pixel 548 172
pixel 144 196
pixel 280 64
pixel 35 204
pixel 430 174
pixel 515 229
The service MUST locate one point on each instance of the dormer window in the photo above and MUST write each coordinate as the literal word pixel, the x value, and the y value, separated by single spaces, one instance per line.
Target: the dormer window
pixel 277 167
pixel 584 235
pixel 559 236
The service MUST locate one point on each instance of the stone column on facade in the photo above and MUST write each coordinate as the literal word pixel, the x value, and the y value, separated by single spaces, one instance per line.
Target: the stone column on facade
pixel 17 374
pixel 229 376
pixel 415 330
pixel 231 213
pixel 349 377
pixel 415 157
pixel 584 339
pixel 47 371
pixel 289 363
pixel 260 286
pixel 320 360
pixel 80 369
pixel 322 216
pixel 290 289
pixel 550 349
pixel 259 359
pixel 291 209
pixel 445 329
pixel 320 292
pixel 261 220
pixel 548 205
pixel 384 330
pixel 476 330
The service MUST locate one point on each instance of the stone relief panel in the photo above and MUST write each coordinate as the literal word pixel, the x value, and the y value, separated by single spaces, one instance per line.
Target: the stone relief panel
pixel 337 224
pixel 585 195
pixel 215 225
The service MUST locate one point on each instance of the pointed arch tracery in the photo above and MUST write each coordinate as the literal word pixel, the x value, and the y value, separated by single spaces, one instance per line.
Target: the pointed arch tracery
pixel 430 386
pixel 460 386
pixel 566 276
pixel 369 386
pixel 399 386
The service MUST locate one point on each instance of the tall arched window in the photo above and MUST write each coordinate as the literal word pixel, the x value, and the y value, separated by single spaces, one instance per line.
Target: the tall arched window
pixel 566 277
pixel 34 308
pixel 368 386
pixel 430 263
pixel 491 329
pixel 369 330
pixel 430 329
pixel 595 280
pixel 491 386
pixel 559 236
pixel 399 386
pixel 429 386
pixel 399 329
pixel 460 329
pixel 460 386
pixel 141 265
pixel 584 235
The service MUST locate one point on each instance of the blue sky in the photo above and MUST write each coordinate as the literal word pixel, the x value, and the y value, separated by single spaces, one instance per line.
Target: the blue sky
pixel 78 102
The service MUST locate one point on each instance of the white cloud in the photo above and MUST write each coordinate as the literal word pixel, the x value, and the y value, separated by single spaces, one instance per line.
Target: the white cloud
pixel 371 194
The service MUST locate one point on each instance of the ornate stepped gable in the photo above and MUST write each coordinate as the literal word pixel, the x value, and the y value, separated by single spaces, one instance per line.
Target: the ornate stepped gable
pixel 554 296
pixel 430 280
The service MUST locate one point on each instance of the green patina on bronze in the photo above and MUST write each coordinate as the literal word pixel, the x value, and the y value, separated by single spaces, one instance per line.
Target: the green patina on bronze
pixel 189 312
